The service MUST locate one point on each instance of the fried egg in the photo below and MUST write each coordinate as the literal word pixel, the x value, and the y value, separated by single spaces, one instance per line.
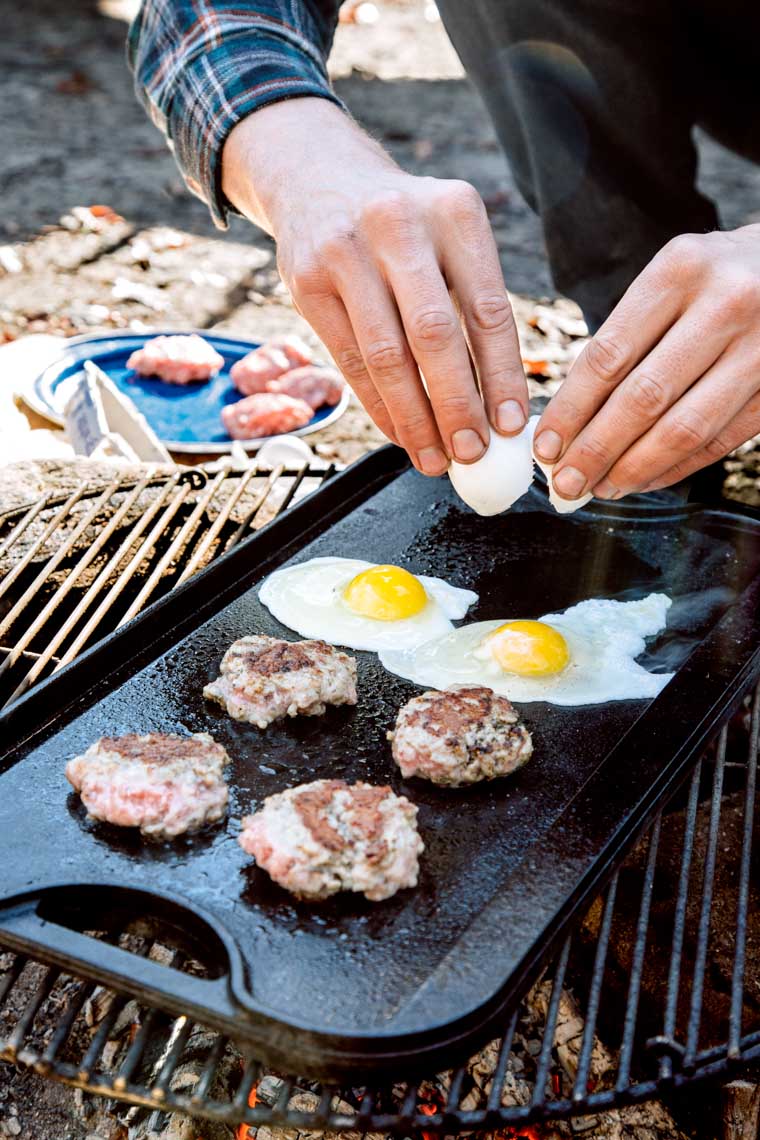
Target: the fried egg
pixel 583 656
pixel 362 605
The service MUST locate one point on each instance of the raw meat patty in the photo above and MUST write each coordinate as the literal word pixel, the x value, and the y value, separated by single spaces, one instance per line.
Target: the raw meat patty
pixel 459 736
pixel 266 413
pixel 314 384
pixel 331 836
pixel 267 362
pixel 264 679
pixel 162 783
pixel 177 359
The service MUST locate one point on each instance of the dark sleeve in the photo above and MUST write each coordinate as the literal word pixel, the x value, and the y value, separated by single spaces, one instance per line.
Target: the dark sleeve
pixel 202 65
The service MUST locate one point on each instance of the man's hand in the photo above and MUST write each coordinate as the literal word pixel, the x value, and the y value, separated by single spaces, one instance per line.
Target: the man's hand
pixel 398 275
pixel 671 382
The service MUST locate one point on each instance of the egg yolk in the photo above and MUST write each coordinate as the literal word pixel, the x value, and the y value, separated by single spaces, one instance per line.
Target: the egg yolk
pixel 529 648
pixel 385 593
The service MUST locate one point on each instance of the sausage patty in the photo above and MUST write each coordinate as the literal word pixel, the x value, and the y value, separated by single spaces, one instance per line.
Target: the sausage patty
pixel 264 678
pixel 265 413
pixel 177 359
pixel 254 371
pixel 160 782
pixel 459 736
pixel 330 836
pixel 313 384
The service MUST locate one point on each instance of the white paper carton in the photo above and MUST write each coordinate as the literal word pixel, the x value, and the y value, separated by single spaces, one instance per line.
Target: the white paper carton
pixel 103 423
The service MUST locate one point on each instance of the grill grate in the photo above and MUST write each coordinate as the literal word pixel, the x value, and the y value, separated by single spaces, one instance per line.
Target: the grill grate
pixel 671 1009
pixel 77 567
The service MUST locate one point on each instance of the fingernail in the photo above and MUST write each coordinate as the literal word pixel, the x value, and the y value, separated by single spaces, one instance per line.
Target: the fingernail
pixel 467 445
pixel 432 460
pixel 570 482
pixel 510 416
pixel 605 490
pixel 548 445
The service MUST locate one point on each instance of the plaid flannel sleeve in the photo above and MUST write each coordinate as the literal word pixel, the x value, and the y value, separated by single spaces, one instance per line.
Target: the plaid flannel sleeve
pixel 202 65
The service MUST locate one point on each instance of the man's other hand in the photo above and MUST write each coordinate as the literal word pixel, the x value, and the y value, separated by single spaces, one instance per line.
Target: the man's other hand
pixel 671 382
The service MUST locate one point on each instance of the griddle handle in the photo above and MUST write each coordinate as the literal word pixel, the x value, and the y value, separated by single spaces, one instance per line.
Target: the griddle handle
pixel 25 931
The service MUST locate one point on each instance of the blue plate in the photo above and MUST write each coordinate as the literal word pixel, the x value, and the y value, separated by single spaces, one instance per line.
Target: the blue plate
pixel 186 418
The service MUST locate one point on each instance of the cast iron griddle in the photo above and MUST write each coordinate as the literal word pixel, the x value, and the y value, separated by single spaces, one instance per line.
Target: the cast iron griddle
pixel 346 985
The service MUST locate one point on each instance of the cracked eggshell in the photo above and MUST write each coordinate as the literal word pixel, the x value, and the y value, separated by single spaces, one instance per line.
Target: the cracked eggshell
pixel 499 478
pixel 562 506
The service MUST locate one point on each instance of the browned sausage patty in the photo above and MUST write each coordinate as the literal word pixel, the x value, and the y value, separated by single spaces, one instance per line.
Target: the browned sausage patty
pixel 459 736
pixel 330 836
pixel 265 678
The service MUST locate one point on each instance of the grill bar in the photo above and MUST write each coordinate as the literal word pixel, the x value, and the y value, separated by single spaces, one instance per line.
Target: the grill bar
pixel 65 1024
pixel 500 1072
pixel 22 526
pixel 221 519
pixel 551 1025
pixel 592 1009
pixel 54 562
pixel 666 1044
pixel 63 591
pixel 188 519
pixel 178 1039
pixel 11 976
pixel 703 937
pixel 52 526
pixel 201 1092
pixel 23 1025
pixel 101 1037
pixel 121 581
pixel 135 1051
pixel 175 549
pixel 89 597
pixel 637 965
pixel 737 981
pixel 158 529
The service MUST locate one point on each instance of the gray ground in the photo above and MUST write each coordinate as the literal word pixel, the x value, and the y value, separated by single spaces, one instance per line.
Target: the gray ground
pixel 76 135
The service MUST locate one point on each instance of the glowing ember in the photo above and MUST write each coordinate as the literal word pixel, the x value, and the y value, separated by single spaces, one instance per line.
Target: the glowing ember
pixel 244 1131
pixel 429 1110
pixel 526 1132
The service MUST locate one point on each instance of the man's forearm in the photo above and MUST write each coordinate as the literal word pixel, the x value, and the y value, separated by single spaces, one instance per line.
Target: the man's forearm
pixel 200 69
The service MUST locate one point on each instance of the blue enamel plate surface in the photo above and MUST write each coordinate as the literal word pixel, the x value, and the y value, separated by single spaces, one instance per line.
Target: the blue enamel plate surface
pixel 186 418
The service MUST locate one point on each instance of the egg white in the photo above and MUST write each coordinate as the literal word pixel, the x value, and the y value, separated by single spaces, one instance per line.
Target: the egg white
pixel 308 598
pixel 604 637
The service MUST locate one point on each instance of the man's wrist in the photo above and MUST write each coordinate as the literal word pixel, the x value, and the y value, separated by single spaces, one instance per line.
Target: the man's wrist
pixel 278 148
